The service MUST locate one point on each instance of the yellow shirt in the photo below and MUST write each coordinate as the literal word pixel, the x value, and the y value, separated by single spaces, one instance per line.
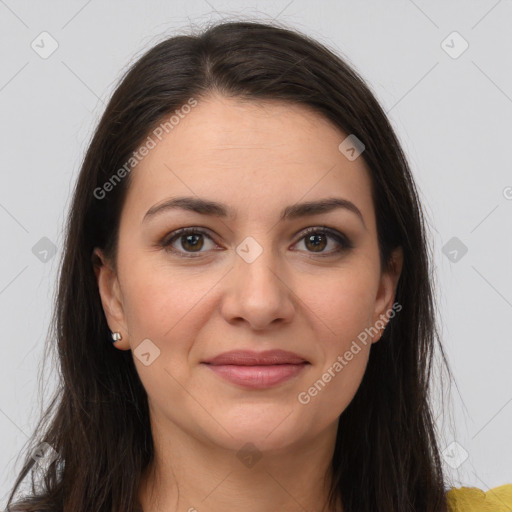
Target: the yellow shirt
pixel 471 499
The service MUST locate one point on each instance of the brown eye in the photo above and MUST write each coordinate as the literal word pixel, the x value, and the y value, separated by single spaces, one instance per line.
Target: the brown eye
pixel 317 239
pixel 316 242
pixel 191 240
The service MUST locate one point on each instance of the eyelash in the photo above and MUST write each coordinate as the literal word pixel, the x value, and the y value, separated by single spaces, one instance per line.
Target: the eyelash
pixel 344 243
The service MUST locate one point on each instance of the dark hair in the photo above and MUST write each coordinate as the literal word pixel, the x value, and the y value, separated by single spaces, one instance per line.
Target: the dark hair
pixel 386 456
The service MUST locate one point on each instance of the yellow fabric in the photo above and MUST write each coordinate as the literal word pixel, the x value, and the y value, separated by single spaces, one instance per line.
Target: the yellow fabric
pixel 471 499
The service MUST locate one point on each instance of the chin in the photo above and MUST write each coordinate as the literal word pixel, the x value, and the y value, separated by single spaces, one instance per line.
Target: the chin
pixel 269 430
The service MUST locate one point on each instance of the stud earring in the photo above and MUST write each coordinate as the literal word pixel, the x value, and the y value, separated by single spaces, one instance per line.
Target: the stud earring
pixel 116 336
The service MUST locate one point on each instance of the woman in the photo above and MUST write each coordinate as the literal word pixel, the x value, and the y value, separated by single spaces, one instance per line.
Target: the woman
pixel 246 231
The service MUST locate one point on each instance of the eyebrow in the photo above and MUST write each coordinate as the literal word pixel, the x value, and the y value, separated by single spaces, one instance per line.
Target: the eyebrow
pixel 213 208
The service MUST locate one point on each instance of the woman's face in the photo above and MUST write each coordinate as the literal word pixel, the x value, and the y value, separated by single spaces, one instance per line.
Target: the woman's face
pixel 249 280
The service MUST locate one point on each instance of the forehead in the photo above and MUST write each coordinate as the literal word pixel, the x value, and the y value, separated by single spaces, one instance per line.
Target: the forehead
pixel 244 153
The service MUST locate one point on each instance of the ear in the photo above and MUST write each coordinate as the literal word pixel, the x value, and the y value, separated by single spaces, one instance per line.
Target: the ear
pixel 386 293
pixel 111 297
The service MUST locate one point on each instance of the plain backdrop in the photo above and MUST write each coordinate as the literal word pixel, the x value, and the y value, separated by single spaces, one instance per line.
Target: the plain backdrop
pixel 442 71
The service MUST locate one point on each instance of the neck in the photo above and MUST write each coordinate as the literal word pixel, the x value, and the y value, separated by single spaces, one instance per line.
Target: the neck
pixel 192 475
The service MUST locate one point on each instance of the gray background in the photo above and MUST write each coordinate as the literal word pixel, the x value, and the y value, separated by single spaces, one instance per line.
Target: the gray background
pixel 452 115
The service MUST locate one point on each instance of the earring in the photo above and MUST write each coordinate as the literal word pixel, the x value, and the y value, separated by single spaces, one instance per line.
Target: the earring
pixel 116 336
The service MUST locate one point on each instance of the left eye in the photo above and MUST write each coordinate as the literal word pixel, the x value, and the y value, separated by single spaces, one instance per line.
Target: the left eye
pixel 315 239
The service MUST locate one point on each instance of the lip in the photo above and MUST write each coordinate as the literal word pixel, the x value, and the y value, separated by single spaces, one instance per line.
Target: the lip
pixel 257 370
pixel 252 358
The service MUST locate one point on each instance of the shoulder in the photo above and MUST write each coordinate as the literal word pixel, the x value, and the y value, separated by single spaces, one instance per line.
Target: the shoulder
pixel 472 499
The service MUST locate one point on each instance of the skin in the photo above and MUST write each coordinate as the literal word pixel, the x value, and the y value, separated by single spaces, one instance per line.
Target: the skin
pixel 256 159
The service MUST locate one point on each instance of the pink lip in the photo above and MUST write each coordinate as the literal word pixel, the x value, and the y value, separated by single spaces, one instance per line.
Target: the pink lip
pixel 257 370
pixel 249 357
pixel 257 377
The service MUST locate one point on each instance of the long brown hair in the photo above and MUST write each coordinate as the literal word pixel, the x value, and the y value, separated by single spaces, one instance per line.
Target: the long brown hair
pixel 386 456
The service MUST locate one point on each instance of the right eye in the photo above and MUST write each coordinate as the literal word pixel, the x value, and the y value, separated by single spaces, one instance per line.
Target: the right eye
pixel 190 240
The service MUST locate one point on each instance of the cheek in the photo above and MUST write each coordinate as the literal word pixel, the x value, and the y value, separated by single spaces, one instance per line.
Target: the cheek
pixel 341 308
pixel 343 348
pixel 159 300
pixel 167 308
pixel 342 304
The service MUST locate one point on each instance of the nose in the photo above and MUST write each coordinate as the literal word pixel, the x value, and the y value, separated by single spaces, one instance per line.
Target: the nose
pixel 258 292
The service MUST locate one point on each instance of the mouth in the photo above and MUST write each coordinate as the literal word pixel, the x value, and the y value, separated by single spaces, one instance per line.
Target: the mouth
pixel 257 370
